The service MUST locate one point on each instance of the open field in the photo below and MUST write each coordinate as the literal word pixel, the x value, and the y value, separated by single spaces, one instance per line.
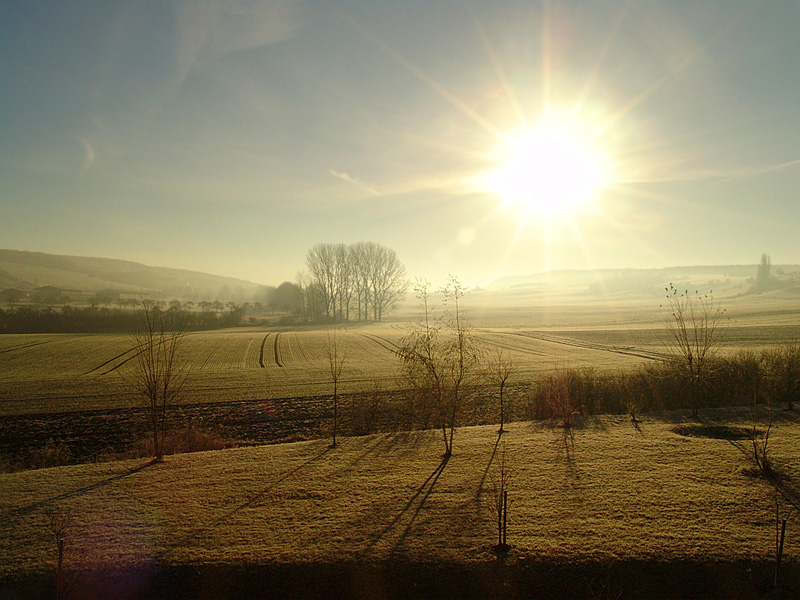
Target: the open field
pixel 625 507
pixel 43 373
pixel 608 509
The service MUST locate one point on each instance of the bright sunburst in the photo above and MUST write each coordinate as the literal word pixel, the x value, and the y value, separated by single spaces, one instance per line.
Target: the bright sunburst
pixel 547 169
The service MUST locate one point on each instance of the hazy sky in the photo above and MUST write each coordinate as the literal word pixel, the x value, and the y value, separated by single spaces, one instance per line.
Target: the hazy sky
pixel 229 136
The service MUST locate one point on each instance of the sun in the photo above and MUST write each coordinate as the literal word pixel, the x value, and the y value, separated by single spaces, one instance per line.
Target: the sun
pixel 547 169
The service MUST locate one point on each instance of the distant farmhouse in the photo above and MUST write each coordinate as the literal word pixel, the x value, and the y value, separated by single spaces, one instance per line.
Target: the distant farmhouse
pixel 112 296
pixel 13 295
pixel 49 294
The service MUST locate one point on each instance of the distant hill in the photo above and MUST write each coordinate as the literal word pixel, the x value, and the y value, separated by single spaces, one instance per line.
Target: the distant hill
pixel 646 281
pixel 29 270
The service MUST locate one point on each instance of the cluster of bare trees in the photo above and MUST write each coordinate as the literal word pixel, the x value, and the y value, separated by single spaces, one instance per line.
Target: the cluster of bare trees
pixel 361 281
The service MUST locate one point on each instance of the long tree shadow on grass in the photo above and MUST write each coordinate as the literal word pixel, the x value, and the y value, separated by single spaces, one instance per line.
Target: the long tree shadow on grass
pixel 482 482
pixel 741 438
pixel 253 500
pixel 29 508
pixel 400 443
pixel 410 510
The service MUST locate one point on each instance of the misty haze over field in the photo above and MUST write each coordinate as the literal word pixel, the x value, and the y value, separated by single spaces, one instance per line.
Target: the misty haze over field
pixel 481 139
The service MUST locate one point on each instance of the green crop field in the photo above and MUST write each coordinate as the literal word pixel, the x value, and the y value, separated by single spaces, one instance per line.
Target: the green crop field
pixel 606 509
pixel 539 331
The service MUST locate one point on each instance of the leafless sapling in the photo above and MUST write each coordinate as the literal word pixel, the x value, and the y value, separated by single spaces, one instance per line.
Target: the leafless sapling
pixel 499 370
pixel 501 478
pixel 440 360
pixel 159 367
pixel 337 356
pixel 693 323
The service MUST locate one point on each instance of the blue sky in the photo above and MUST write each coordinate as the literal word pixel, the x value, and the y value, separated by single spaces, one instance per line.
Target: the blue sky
pixel 229 137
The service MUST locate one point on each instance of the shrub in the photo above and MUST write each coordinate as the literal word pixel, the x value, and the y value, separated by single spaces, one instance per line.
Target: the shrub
pixel 782 374
pixel 182 441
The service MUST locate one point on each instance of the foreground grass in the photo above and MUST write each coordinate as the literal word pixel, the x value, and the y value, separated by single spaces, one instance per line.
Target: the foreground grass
pixel 658 492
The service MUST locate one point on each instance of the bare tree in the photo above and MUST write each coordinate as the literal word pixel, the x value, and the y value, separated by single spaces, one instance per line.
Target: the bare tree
pixel 337 356
pixel 501 478
pixel 159 368
pixel 343 281
pixel 560 400
pixel 387 282
pixel 322 268
pixel 366 273
pixel 693 324
pixel 499 370
pixel 439 359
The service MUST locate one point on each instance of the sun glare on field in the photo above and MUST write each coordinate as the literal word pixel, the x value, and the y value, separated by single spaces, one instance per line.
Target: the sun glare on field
pixel 548 170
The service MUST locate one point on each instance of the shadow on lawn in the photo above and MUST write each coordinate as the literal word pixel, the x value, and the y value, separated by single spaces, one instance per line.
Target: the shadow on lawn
pixel 740 437
pixel 409 510
pixel 25 510
pixel 481 483
pixel 254 499
pixel 401 444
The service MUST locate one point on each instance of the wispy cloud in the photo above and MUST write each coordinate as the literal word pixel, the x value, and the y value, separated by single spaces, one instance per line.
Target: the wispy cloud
pixel 88 154
pixel 346 177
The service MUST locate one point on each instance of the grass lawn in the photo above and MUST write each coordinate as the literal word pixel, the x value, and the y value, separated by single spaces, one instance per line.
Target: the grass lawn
pixel 666 507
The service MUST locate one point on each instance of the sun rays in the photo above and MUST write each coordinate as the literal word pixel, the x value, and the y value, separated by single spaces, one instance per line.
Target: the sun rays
pixel 559 156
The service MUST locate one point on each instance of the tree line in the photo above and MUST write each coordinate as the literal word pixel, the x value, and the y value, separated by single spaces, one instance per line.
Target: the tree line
pixel 68 319
pixel 343 282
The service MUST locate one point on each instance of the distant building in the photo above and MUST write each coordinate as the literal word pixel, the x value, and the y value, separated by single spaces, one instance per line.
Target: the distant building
pixel 49 294
pixel 13 295
pixel 112 296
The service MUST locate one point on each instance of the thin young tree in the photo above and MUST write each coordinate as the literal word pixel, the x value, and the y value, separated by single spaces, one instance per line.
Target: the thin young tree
pixel 159 367
pixel 440 361
pixel 463 358
pixel 693 323
pixel 501 478
pixel 420 355
pixel 337 356
pixel 499 370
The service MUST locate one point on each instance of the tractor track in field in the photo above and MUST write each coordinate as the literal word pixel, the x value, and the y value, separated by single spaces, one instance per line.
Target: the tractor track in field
pixel 210 355
pixel 300 348
pixel 565 341
pixel 111 360
pixel 118 357
pixel 278 361
pixel 512 348
pixel 382 342
pixel 24 346
pixel 261 352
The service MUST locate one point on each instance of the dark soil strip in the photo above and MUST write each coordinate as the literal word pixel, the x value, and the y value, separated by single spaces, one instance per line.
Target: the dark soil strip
pixel 277 355
pixel 76 437
pixel 261 353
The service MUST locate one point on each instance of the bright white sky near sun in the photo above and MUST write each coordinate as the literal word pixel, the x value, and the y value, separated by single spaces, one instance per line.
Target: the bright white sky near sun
pixel 479 138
